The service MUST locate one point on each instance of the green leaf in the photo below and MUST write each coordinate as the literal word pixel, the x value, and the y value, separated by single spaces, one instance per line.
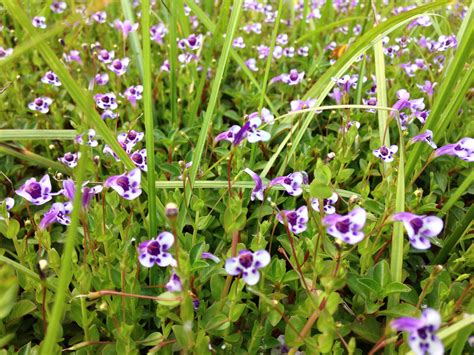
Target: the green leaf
pixel 319 191
pixel 401 310
pixel 395 287
pixel 292 337
pixel 369 284
pixel 8 290
pixel 168 299
pixel 21 309
pixel 382 273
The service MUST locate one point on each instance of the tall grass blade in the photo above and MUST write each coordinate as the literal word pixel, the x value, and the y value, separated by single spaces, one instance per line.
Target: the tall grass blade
pixel 36 134
pixel 381 94
pixel 173 60
pixel 133 36
pixel 148 117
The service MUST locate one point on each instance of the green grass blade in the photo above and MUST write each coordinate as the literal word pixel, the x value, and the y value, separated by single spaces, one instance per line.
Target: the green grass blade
pixel 324 85
pixel 65 275
pixel 36 134
pixel 322 29
pixel 148 117
pixel 133 36
pixel 437 121
pixel 223 60
pixel 466 184
pixel 173 60
pixel 381 94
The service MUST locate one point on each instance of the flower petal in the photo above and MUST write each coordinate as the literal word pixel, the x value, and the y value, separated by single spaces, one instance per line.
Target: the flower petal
pixel 432 226
pixel 251 276
pixel 166 240
pixel 261 258
pixel 232 266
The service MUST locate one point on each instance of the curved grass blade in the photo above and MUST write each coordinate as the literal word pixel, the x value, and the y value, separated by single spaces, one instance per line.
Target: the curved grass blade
pixel 36 134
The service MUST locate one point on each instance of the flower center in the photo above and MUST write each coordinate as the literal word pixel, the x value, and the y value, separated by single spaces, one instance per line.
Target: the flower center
pixel 246 260
pixel 384 151
pixel 39 102
pixel 292 218
pixel 123 182
pixel 416 224
pixel 137 158
pixel 153 248
pixel 34 189
pixel 132 135
pixel 343 226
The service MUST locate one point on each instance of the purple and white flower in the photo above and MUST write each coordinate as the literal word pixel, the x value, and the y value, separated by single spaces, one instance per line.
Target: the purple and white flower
pixel 73 56
pixel 9 203
pixel 228 135
pixel 139 159
pixel 249 130
pixel 297 219
pixel 193 42
pixel 70 159
pixel 91 142
pixel 106 101
pixel 207 255
pixel 238 43
pixel 119 66
pixel 36 192
pixel 40 104
pixel 291 183
pixel 155 251
pixel 347 228
pixel 100 16
pixel 101 79
pixel 293 77
pixel 51 79
pixel 39 22
pixel 130 139
pixel 282 39
pixel 158 32
pixel 259 189
pixel 386 154
pixel 464 149
pixel 125 27
pixel 59 212
pixel 174 284
pixel 303 51
pixel 5 52
pixel 266 116
pixel 105 56
pixel 371 101
pixel 420 228
pixel 328 203
pixel 133 93
pixel 69 190
pixel 251 63
pixel 426 136
pixel 58 7
pixel 298 105
pixel 108 114
pixel 421 332
pixel 127 185
pixel 247 265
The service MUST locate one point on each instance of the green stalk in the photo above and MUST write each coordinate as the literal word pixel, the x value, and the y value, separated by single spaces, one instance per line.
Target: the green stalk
pixel 381 94
pixel 65 275
pixel 148 117
pixel 437 121
pixel 173 64
pixel 466 184
pixel 223 60
pixel 36 134
pixel 133 37
pixel 27 272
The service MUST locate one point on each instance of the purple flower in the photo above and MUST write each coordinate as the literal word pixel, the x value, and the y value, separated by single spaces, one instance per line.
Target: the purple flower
pixel 108 114
pixel 420 228
pixel 5 52
pixel 91 142
pixel 100 16
pixel 427 88
pixel 347 82
pixel 51 79
pixel 228 135
pixel 293 77
pixel 154 251
pixel 139 159
pixel 105 56
pixel 125 27
pixel 464 149
pixel 247 265
pixel 391 51
pixel 101 79
pixel 251 63
pixel 238 43
pixel 9 203
pixel 186 58
pixel 445 42
pixel 303 51
pixel 427 137
pixel 336 95
pixel 37 192
pixel 193 42
pixel 386 154
pixel 59 212
pixel 39 22
pixel 259 189
pixel 58 7
pixel 127 185
pixel 328 203
pixel 253 27
pixel 297 219
pixel 298 105
pixel 371 101
pixel 422 338
pixel 130 139
pixel 73 56
pixel 291 183
pixel 69 190
pixel 158 32
pixel 263 51
pixel 282 39
pixel 106 101
pixel 133 93
pixel 347 228
pixel 266 116
pixel 207 255
pixel 249 130
pixel 70 159
pixel 40 104
pixel 119 66
pixel 174 284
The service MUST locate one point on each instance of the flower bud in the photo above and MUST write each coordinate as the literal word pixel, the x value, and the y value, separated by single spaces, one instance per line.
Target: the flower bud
pixel 171 210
